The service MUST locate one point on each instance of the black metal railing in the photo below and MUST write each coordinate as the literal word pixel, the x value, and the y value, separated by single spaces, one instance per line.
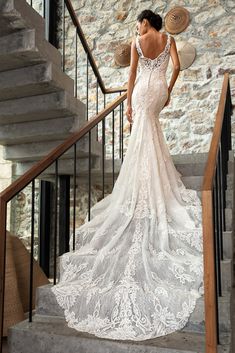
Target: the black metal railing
pixel 51 168
pixel 59 14
pixel 214 224
pixel 219 197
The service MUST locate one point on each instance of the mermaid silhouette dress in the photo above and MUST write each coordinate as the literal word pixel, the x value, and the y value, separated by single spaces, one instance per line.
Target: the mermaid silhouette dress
pixel 137 269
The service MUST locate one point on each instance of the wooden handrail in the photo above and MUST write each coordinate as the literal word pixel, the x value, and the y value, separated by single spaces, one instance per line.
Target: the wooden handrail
pixel 30 175
pixel 211 160
pixel 207 226
pixel 47 161
pixel 88 51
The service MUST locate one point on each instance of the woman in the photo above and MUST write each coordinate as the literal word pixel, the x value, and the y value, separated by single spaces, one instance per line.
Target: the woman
pixel 137 270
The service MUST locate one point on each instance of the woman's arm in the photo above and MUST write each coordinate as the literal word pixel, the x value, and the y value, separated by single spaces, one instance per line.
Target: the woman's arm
pixel 176 67
pixel 131 79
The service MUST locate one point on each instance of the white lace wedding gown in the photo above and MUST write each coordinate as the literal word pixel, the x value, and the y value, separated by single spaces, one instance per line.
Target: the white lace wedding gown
pixel 137 270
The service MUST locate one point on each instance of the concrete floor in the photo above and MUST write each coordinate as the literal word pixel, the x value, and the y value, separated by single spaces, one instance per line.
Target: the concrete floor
pixel 5 349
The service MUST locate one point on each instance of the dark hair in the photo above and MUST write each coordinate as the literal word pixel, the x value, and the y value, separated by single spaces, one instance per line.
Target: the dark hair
pixel 154 19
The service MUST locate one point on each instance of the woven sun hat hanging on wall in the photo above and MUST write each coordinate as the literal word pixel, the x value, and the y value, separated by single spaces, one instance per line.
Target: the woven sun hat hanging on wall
pixel 186 53
pixel 177 20
pixel 122 55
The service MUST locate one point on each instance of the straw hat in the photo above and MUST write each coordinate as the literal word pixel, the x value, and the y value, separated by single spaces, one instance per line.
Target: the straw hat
pixel 176 20
pixel 186 53
pixel 122 55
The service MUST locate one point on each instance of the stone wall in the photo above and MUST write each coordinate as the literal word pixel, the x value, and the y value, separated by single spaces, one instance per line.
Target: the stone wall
pixel 6 171
pixel 188 121
pixel 191 113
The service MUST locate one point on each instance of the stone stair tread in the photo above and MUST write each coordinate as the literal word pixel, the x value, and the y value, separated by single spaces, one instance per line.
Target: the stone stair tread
pixel 65 167
pixel 18 14
pixel 35 151
pixel 48 327
pixel 190 157
pixel 42 130
pixel 228 218
pixel 34 80
pixel 25 48
pixel 51 334
pixel 43 106
pixel 46 304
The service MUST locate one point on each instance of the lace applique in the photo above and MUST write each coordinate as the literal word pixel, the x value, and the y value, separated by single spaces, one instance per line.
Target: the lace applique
pixel 153 64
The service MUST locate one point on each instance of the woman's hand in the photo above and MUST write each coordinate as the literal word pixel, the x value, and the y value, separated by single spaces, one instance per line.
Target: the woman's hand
pixel 129 114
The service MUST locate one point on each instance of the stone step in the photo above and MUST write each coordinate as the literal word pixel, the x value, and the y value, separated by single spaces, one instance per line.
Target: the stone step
pixel 229 198
pixel 46 304
pixel 190 181
pixel 25 48
pixel 190 158
pixel 40 107
pixel 227 274
pixel 16 15
pixel 230 181
pixel 31 152
pixel 190 168
pixel 65 167
pixel 43 130
pixel 228 244
pixel 34 80
pixel 47 334
pixel 228 219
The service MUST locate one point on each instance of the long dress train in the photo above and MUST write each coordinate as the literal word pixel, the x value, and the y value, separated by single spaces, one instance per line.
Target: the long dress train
pixel 137 269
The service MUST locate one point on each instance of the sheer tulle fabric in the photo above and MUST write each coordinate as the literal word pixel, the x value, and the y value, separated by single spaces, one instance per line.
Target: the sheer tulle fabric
pixel 137 270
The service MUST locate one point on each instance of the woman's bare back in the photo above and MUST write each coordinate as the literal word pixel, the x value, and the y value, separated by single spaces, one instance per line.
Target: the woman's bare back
pixel 153 44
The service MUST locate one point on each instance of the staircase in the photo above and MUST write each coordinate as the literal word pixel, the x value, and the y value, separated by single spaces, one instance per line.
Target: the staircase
pixel 49 331
pixel 38 109
pixel 37 112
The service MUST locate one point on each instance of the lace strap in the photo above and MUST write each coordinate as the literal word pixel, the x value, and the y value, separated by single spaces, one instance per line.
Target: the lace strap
pixel 137 44
pixel 168 42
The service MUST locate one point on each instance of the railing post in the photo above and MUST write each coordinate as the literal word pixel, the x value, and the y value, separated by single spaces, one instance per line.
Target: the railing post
pixel 3 212
pixel 45 226
pixel 209 273
pixel 52 20
pixel 64 213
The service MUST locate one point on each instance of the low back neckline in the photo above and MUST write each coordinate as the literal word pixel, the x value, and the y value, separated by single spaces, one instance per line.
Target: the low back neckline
pixel 145 57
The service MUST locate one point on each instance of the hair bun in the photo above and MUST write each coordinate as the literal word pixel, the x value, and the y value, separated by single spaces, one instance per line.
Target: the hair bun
pixel 154 19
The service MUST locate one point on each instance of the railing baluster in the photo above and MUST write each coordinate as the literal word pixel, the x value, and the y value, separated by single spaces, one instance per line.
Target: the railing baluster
pixel 63 36
pixel 217 234
pixel 3 225
pixel 223 205
pixel 31 275
pixel 76 65
pixel 55 220
pixel 103 155
pixel 74 190
pixel 122 131
pixel 97 108
pixel 89 177
pixel 87 86
pixel 220 212
pixel 113 133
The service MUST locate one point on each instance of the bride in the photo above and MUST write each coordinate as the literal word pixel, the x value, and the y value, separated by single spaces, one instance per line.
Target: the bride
pixel 137 268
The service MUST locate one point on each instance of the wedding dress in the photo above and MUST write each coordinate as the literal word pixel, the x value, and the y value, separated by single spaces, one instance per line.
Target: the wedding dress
pixel 137 269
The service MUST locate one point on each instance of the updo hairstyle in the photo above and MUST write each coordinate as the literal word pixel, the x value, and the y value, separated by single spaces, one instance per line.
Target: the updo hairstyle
pixel 154 19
